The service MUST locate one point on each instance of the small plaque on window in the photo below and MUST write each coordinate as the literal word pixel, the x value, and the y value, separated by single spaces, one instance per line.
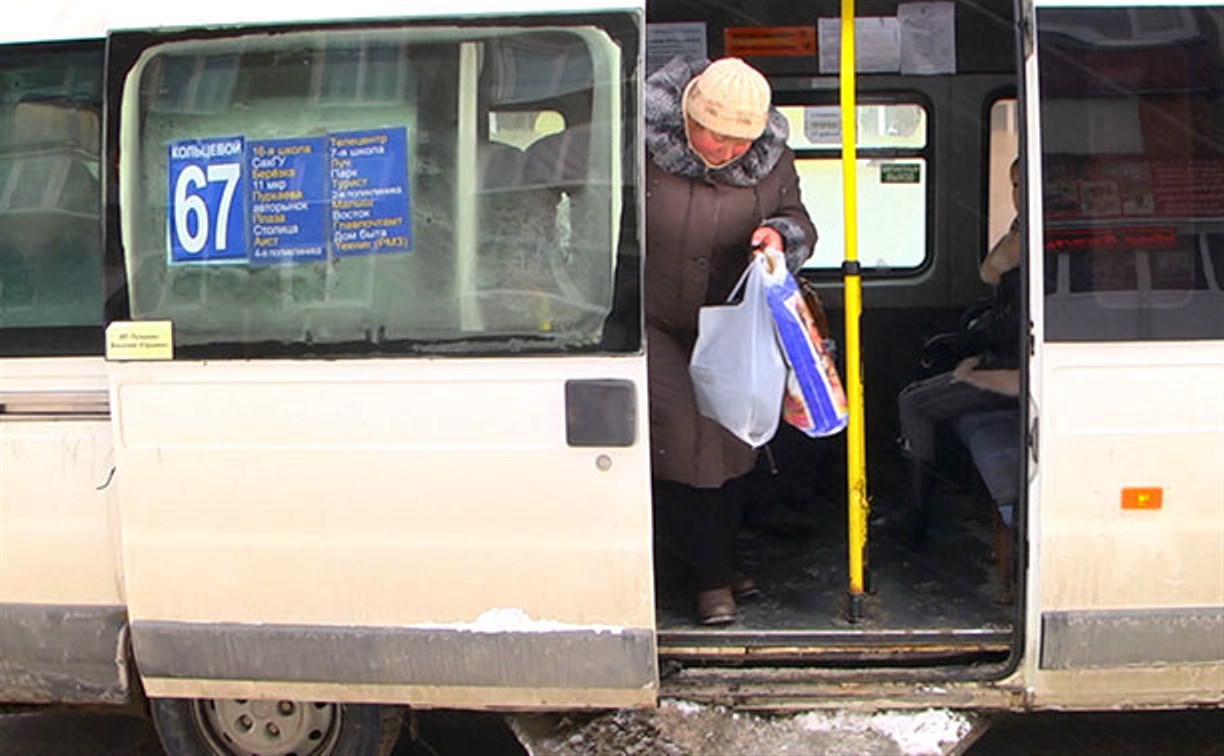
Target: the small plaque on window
pixel 140 340
pixel 900 173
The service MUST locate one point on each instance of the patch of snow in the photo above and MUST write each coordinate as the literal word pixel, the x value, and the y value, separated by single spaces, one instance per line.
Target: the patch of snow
pixel 922 732
pixel 916 733
pixel 515 620
pixel 828 721
pixel 683 707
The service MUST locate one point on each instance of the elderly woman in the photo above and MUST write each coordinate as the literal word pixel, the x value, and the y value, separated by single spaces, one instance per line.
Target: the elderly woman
pixel 721 185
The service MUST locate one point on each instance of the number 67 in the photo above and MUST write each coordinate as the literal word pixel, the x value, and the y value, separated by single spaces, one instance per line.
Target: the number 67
pixel 186 205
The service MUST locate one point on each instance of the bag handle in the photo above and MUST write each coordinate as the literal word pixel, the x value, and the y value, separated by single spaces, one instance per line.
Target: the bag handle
pixel 743 279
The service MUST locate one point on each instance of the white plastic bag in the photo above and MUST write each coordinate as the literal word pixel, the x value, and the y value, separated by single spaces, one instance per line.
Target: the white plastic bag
pixel 737 368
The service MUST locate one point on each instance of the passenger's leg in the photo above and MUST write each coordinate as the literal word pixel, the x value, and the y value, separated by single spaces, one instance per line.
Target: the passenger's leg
pixel 739 492
pixel 1005 550
pixel 922 406
pixel 920 500
pixel 698 526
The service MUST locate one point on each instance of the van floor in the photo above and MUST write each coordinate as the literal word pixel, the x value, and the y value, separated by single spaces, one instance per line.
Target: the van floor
pixel 944 597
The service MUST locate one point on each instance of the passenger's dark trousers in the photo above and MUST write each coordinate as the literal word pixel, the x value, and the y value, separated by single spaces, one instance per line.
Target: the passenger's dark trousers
pixel 923 404
pixel 695 529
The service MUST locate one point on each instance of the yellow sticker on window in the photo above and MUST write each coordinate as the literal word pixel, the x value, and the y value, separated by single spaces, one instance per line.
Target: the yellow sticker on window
pixel 140 340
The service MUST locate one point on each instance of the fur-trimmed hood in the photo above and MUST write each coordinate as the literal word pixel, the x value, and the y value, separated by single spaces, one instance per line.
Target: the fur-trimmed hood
pixel 668 145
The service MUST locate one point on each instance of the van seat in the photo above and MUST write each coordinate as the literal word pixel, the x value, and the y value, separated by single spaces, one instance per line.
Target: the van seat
pixel 559 160
pixel 56 122
pixel 500 166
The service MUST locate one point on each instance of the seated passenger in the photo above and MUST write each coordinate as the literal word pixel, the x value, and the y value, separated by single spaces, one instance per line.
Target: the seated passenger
pixel 987 380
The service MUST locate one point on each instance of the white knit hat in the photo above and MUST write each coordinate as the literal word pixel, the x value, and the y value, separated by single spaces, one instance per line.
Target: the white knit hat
pixel 730 98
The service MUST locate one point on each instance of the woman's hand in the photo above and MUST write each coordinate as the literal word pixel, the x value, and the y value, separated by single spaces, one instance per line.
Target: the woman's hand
pixel 765 239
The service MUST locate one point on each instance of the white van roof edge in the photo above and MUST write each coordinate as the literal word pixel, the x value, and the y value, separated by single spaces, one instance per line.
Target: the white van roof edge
pixel 60 20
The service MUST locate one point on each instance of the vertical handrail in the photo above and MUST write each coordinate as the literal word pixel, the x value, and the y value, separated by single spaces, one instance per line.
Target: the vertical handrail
pixel 856 453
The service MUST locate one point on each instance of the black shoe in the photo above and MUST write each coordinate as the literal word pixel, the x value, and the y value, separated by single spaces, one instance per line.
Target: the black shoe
pixel 744 587
pixel 716 607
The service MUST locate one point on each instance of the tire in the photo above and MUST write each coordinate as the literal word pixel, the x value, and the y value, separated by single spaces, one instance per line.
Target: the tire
pixel 245 727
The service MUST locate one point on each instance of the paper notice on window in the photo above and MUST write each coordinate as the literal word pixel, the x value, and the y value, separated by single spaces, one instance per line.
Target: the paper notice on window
pixel 822 124
pixel 140 340
pixel 877 44
pixel 666 41
pixel 928 38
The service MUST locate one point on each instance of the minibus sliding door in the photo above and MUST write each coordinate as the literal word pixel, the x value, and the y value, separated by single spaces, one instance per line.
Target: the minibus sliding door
pixel 380 433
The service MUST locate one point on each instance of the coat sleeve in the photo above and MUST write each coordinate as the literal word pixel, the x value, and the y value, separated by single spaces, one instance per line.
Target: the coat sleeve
pixel 789 217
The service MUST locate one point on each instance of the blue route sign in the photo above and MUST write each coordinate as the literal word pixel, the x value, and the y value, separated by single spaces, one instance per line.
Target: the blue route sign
pixel 369 192
pixel 207 200
pixel 297 200
pixel 289 200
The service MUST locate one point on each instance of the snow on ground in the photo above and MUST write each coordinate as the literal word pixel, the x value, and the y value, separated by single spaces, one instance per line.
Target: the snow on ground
pixel 681 728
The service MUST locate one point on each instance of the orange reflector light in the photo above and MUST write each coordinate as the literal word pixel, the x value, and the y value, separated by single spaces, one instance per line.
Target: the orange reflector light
pixel 1142 498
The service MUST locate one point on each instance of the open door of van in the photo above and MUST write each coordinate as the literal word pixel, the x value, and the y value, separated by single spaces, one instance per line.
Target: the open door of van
pixel 378 381
pixel 1129 523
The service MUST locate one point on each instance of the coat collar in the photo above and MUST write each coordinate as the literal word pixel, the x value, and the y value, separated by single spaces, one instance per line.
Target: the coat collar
pixel 668 146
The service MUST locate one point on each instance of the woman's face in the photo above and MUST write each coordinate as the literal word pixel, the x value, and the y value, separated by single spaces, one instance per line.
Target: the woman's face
pixel 714 148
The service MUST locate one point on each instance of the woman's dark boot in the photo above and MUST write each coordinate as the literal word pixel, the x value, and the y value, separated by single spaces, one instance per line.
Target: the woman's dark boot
pixel 716 606
pixel 744 587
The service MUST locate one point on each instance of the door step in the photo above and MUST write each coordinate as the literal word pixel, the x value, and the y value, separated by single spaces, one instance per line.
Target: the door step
pixel 836 648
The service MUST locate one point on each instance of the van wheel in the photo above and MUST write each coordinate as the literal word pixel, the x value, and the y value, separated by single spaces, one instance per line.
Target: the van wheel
pixel 247 727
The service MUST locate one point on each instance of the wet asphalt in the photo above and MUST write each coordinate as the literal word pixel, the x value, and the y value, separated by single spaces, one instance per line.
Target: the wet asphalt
pixel 98 731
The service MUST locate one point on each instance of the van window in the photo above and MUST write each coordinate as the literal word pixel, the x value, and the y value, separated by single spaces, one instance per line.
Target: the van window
pixel 1132 143
pixel 50 201
pixel 376 191
pixel 1004 150
pixel 892 174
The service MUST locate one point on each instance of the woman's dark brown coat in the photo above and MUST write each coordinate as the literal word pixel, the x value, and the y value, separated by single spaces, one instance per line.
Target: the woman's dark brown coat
pixel 698 226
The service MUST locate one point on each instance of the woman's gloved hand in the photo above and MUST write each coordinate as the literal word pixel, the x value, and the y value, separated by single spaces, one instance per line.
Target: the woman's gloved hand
pixel 766 239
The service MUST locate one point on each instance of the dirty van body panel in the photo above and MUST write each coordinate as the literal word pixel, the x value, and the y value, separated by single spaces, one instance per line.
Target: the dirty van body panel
pixel 62 617
pixel 51 653
pixel 1130 599
pixel 391 656
pixel 63 633
pixel 1131 637
pixel 454 564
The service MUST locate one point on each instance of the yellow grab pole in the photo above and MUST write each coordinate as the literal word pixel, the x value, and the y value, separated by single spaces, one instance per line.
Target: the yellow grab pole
pixel 856 452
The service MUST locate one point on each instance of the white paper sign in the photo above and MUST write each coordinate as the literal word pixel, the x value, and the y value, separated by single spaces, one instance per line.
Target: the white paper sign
pixel 666 41
pixel 928 38
pixel 822 124
pixel 877 44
